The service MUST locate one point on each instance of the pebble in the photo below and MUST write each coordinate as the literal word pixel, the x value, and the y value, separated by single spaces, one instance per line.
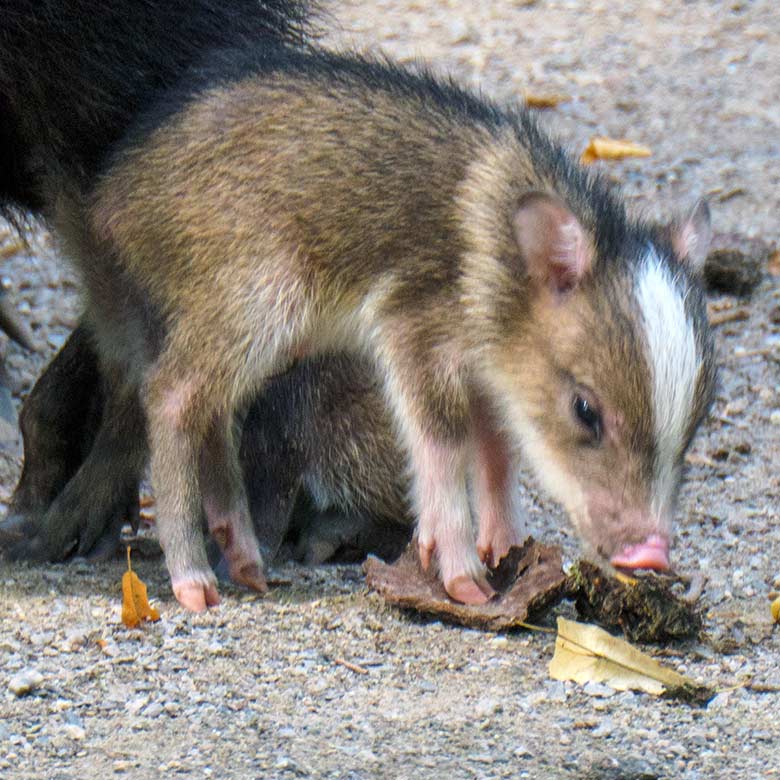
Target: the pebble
pixel 719 701
pixel 484 708
pixel 57 340
pixel 25 682
pixel 154 710
pixel 134 706
pixel 598 689
pixel 76 733
pixel 556 692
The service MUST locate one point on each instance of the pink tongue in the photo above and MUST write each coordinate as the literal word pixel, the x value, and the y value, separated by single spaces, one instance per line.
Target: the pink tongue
pixel 650 554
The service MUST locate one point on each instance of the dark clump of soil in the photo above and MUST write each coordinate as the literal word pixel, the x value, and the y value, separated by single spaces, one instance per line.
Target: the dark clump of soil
pixel 735 264
pixel 645 608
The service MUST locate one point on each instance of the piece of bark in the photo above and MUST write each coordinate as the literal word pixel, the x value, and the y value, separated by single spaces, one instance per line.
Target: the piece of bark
pixel 527 581
pixel 735 264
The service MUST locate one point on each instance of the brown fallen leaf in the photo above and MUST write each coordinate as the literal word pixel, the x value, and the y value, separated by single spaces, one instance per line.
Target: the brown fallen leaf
pixel 601 148
pixel 135 604
pixel 549 100
pixel 586 653
pixel 528 580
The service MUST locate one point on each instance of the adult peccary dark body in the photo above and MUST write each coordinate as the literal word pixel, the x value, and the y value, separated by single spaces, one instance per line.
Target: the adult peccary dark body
pixel 284 204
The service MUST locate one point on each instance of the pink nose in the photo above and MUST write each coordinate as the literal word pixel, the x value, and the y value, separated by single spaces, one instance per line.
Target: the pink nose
pixel 653 553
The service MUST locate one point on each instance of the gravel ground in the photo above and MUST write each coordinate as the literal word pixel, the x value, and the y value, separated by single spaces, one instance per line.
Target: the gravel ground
pixel 320 679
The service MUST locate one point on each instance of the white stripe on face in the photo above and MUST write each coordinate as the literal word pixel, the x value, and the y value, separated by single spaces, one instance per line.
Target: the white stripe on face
pixel 674 362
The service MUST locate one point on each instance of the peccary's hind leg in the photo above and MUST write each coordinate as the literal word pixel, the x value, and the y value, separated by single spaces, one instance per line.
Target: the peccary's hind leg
pixel 59 421
pixel 98 496
pixel 84 454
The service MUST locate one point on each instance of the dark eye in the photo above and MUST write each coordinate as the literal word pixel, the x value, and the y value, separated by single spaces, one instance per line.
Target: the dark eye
pixel 588 416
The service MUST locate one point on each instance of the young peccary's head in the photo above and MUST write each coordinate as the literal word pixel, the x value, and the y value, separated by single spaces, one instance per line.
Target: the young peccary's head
pixel 601 359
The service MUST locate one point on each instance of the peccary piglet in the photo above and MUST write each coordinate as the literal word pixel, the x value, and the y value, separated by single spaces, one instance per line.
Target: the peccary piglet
pixel 292 203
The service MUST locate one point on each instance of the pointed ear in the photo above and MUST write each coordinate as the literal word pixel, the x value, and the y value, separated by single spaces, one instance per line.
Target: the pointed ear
pixel 691 237
pixel 552 243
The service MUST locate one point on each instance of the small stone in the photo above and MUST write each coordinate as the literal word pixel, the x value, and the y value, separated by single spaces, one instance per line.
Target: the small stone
pixel 598 689
pixel 774 417
pixel 134 706
pixel 484 708
pixel 604 729
pixel 74 732
pixel 719 701
pixel 25 682
pixel 367 757
pixel 56 340
pixel 154 710
pixel 556 692
pixel 521 751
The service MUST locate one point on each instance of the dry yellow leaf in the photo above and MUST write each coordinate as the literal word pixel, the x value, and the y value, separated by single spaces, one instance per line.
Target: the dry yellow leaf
pixel 773 266
pixel 775 608
pixel 586 653
pixel 601 148
pixel 550 100
pixel 135 604
pixel 12 249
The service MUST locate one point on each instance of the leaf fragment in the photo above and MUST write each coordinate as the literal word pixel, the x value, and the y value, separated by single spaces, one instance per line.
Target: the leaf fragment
pixel 135 604
pixel 602 148
pixel 586 653
pixel 12 249
pixel 546 100
pixel 773 265
pixel 775 609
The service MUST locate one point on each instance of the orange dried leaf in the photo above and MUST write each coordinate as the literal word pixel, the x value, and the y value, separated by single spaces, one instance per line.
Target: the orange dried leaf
pixel 774 263
pixel 601 148
pixel 12 249
pixel 549 100
pixel 135 604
